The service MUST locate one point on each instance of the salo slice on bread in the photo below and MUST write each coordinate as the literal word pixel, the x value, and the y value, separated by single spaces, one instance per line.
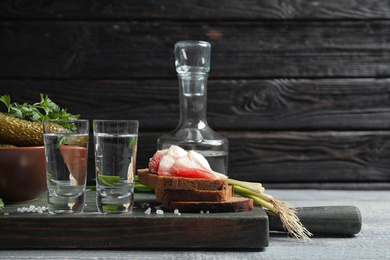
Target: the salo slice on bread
pixel 207 195
pixel 185 181
pixel 147 178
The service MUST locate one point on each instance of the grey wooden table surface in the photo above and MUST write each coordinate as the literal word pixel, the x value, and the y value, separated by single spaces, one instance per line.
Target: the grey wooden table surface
pixel 373 241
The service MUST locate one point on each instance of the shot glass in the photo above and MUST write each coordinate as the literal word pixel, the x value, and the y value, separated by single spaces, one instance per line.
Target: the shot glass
pixel 66 154
pixel 115 161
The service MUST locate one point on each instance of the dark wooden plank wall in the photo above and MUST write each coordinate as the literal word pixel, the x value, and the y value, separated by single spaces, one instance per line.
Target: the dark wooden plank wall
pixel 300 88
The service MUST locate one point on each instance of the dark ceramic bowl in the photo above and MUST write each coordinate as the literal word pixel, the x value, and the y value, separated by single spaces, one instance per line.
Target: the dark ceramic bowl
pixel 22 173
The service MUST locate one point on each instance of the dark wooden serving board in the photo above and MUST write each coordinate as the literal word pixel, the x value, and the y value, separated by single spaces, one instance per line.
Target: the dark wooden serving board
pixel 91 230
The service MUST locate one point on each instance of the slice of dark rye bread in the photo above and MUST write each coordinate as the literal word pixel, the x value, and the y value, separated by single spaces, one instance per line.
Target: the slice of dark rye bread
pixel 163 195
pixel 234 204
pixel 189 185
pixel 179 183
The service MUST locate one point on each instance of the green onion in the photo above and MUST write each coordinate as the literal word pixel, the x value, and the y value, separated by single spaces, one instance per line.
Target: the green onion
pixel 113 181
pixel 287 214
pixel 110 180
pixel 110 208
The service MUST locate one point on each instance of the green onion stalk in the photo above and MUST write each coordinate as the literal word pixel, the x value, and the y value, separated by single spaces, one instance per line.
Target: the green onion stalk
pixel 255 191
pixel 286 213
pixel 115 181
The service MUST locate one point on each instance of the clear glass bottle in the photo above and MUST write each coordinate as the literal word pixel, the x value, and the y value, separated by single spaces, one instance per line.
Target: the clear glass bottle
pixel 192 60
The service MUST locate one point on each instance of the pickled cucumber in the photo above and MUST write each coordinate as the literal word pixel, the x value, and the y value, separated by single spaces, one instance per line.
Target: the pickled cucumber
pixel 21 132
pixel 7 146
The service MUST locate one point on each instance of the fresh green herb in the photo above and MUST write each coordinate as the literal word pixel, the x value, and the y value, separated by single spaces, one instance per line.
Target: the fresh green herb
pixel 133 142
pixel 7 101
pixel 138 187
pixel 1 204
pixel 91 187
pixel 50 178
pixel 110 180
pixel 111 208
pixel 62 140
pixel 45 109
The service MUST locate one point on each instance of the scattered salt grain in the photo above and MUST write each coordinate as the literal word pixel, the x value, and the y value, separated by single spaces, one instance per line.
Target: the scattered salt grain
pixel 176 211
pixel 32 208
pixel 6 214
pixel 159 212
pixel 201 212
pixel 207 212
pixel 148 211
pixel 158 207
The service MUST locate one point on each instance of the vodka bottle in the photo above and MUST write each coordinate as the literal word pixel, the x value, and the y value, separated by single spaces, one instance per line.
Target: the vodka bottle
pixel 192 60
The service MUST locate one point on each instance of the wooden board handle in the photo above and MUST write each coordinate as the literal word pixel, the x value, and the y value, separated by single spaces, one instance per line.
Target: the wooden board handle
pixel 336 220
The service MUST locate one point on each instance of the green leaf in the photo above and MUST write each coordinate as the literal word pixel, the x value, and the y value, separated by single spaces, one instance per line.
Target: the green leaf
pixel 50 110
pixel 16 111
pixel 1 204
pixel 50 178
pixel 132 142
pixel 6 100
pixel 110 180
pixel 61 141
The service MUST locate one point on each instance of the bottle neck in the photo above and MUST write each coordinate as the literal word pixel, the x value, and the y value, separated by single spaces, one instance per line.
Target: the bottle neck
pixel 193 99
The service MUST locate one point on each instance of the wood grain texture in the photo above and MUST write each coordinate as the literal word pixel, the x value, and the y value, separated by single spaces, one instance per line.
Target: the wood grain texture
pixel 300 88
pixel 195 10
pixel 310 156
pixel 278 104
pixel 300 157
pixel 371 243
pixel 91 230
pixel 133 49
pixel 261 119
